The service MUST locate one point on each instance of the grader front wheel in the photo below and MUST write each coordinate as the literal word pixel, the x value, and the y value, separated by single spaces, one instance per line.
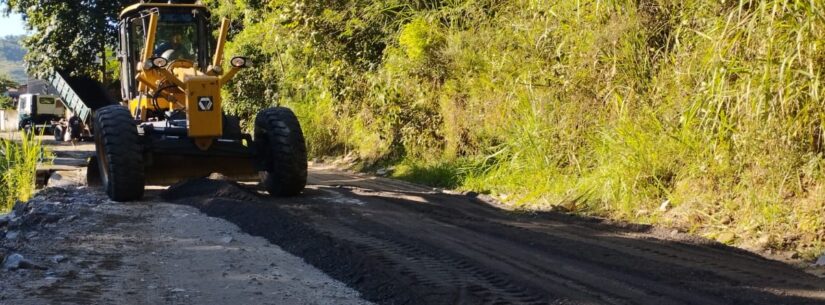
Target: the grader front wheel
pixel 119 153
pixel 282 151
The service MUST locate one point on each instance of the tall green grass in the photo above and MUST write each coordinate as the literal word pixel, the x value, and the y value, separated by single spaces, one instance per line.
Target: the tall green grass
pixel 18 167
pixel 702 115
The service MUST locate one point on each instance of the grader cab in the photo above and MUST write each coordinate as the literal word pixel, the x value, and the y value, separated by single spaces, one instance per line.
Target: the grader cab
pixel 171 126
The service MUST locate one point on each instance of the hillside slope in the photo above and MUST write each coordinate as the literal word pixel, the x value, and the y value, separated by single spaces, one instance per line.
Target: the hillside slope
pixel 11 58
pixel 702 115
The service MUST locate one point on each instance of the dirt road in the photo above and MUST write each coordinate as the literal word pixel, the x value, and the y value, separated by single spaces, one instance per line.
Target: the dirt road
pixel 355 239
pixel 399 243
pixel 89 250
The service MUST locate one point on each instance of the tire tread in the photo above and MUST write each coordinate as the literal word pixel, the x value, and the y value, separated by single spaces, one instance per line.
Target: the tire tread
pixel 120 143
pixel 283 148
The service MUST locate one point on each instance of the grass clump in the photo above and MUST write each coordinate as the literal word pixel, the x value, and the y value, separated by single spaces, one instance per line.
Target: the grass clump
pixel 701 115
pixel 18 168
pixel 442 174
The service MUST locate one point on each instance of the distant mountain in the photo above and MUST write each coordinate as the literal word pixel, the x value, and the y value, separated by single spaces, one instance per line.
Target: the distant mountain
pixel 11 58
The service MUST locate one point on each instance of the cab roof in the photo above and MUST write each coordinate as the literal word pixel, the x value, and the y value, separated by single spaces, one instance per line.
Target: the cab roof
pixel 138 7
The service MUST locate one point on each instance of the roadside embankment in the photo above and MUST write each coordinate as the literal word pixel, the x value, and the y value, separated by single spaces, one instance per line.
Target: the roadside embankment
pixel 701 115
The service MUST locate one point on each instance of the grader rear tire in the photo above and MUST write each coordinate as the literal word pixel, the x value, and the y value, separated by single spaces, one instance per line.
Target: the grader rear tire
pixel 282 150
pixel 119 153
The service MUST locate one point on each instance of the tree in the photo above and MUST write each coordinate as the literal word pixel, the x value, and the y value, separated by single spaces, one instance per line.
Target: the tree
pixel 70 36
pixel 6 102
pixel 6 82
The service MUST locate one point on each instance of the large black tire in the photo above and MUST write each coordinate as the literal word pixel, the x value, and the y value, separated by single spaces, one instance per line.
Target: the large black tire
pixel 119 153
pixel 26 127
pixel 282 151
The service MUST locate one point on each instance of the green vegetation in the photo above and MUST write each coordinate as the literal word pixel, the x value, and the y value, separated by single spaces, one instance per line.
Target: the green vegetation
pixel 6 102
pixel 6 83
pixel 18 168
pixel 70 36
pixel 701 115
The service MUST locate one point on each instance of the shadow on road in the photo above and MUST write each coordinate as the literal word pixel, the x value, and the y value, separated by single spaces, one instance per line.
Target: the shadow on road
pixel 398 243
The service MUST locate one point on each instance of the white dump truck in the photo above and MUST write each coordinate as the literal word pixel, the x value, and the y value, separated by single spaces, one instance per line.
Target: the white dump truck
pixel 37 112
pixel 64 112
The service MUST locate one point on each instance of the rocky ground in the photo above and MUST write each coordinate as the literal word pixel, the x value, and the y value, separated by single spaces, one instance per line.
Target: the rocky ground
pixel 71 245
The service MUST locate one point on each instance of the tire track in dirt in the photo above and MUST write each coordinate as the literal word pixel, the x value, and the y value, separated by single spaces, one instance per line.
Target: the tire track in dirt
pixel 589 280
pixel 406 244
pixel 708 259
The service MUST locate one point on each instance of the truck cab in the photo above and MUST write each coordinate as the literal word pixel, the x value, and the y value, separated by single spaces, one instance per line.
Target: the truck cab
pixel 38 111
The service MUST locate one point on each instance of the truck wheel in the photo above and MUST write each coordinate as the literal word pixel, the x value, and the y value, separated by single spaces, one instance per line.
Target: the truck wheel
pixel 119 153
pixel 58 134
pixel 26 127
pixel 281 151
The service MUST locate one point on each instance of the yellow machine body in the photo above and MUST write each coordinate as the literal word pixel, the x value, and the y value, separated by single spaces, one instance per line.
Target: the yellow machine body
pixel 144 104
pixel 170 125
pixel 203 106
pixel 166 89
pixel 182 86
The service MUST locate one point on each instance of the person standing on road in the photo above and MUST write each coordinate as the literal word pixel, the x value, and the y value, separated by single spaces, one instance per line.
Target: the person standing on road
pixel 75 128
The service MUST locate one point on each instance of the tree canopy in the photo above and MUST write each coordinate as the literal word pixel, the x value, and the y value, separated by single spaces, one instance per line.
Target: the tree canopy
pixel 69 36
pixel 6 82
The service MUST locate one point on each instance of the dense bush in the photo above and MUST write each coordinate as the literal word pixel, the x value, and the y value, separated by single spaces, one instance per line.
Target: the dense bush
pixel 703 115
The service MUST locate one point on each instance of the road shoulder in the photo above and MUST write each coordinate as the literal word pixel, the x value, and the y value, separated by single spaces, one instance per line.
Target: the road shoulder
pixel 85 249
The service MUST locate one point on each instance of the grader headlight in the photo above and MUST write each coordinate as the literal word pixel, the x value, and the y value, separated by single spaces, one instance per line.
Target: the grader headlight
pixel 155 62
pixel 240 62
pixel 160 62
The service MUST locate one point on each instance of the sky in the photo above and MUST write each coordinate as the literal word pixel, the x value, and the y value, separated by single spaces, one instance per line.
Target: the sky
pixel 11 25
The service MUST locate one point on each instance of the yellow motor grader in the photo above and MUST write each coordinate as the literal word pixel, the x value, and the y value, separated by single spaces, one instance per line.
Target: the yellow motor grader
pixel 170 125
